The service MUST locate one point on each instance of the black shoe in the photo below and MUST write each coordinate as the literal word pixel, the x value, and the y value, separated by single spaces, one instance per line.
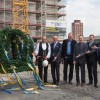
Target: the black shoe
pixel 57 83
pixel 89 83
pixel 54 83
pixel 70 82
pixel 77 84
pixel 95 85
pixel 45 83
pixel 65 82
pixel 82 84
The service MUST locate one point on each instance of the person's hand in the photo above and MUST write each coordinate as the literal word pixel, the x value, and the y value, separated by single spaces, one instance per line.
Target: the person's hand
pixel 74 62
pixel 87 52
pixel 34 59
pixel 94 47
pixel 33 54
pixel 45 58
pixel 38 57
pixel 78 56
pixel 55 58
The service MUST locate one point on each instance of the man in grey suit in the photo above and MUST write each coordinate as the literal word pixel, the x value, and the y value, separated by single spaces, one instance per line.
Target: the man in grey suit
pixel 55 59
pixel 79 60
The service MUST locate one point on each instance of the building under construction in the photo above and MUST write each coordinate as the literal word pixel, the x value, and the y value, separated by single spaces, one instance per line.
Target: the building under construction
pixel 45 17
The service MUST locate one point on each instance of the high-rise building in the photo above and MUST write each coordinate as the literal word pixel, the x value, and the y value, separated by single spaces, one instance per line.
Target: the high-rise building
pixel 77 29
pixel 45 17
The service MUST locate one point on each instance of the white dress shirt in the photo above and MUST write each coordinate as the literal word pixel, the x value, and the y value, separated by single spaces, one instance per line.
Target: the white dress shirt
pixel 44 48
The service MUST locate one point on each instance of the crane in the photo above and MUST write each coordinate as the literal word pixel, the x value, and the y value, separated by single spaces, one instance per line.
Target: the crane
pixel 20 15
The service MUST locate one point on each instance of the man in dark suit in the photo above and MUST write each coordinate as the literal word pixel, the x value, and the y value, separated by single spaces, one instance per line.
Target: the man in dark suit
pixel 79 60
pixel 98 53
pixel 67 55
pixel 56 48
pixel 92 61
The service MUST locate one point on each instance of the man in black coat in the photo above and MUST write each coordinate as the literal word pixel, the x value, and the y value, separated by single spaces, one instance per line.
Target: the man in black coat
pixel 92 61
pixel 56 48
pixel 98 53
pixel 79 60
pixel 67 55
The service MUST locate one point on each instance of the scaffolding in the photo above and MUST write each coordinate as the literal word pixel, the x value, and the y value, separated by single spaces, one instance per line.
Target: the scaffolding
pixel 41 18
pixel 43 14
pixel 5 13
pixel 31 15
pixel 20 15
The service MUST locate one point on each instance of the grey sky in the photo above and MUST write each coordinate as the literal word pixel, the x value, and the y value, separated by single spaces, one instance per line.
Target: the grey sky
pixel 88 12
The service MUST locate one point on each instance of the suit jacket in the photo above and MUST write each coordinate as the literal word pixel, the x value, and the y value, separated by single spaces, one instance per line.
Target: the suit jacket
pixel 98 53
pixel 81 51
pixel 92 56
pixel 56 52
pixel 64 48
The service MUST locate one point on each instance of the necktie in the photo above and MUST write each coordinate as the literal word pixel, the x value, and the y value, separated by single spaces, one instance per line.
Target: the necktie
pixel 80 46
pixel 54 44
pixel 90 43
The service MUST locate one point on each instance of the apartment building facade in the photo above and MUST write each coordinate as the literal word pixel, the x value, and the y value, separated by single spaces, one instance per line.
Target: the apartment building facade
pixel 77 29
pixel 45 17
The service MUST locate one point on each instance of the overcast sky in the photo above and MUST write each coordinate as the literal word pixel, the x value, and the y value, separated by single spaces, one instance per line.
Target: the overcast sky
pixel 88 11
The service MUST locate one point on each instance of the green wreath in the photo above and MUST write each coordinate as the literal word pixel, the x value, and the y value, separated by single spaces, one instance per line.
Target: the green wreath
pixel 15 49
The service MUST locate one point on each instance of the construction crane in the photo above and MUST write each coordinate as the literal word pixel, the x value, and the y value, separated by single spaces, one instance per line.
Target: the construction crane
pixel 20 15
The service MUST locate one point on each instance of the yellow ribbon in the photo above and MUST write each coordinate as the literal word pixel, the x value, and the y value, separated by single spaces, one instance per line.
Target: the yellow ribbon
pixel 18 78
pixel 50 85
pixel 0 74
pixel 35 73
pixel 30 72
pixel 3 84
pixel 9 78
pixel 29 89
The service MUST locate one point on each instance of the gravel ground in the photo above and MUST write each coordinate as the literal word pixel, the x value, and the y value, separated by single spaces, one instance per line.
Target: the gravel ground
pixel 62 92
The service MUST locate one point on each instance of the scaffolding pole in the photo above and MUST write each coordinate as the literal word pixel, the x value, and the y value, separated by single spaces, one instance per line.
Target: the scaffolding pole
pixel 20 15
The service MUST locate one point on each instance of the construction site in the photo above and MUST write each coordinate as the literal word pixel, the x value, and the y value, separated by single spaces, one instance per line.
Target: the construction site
pixel 35 17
